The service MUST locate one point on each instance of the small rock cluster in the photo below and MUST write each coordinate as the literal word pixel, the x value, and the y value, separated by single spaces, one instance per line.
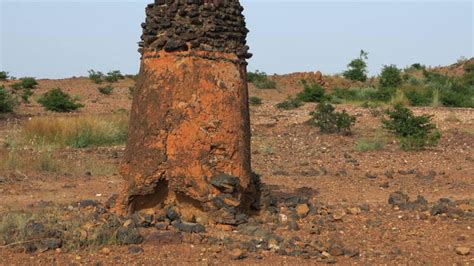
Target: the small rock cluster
pixel 176 25
pixel 443 206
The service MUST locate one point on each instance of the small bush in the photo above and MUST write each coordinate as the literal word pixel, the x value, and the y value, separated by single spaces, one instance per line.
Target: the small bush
pixel 28 83
pixel 25 96
pixel 418 66
pixel 254 101
pixel 312 93
pixel 260 80
pixel 96 77
pixel 418 98
pixel 16 86
pixel 107 90
pixel 289 104
pixel 114 76
pixel 374 144
pixel 390 77
pixel 7 101
pixel 357 68
pixel 414 132
pixel 329 121
pixel 58 101
pixel 468 76
pixel 3 76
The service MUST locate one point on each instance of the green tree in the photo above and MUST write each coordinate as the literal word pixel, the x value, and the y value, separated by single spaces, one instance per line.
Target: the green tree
pixel 58 101
pixel 414 132
pixel 357 68
pixel 390 77
pixel 7 101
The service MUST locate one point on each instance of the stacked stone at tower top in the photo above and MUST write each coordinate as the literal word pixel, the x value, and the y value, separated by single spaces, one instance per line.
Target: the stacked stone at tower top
pixel 195 25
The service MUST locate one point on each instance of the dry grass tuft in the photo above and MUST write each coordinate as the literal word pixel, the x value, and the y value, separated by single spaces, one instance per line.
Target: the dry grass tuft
pixel 76 131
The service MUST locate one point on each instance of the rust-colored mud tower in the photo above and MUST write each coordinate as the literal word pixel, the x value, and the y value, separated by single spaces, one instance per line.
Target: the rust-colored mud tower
pixel 189 140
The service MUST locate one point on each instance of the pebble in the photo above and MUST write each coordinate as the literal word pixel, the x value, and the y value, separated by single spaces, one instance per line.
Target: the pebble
pixel 238 254
pixel 338 214
pixel 135 249
pixel 302 209
pixel 463 251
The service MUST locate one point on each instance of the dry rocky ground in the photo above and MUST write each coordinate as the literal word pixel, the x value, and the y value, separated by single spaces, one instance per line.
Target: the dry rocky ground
pixel 323 201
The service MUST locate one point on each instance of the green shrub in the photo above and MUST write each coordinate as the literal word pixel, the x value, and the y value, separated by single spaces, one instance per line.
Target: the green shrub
pixel 452 91
pixel 363 94
pixel 255 101
pixel 260 80
pixel 390 77
pixel 374 144
pixel 96 77
pixel 357 68
pixel 58 101
pixel 329 121
pixel 114 76
pixel 414 132
pixel 418 66
pixel 468 76
pixel 25 96
pixel 3 76
pixel 7 101
pixel 312 93
pixel 28 83
pixel 16 86
pixel 418 98
pixel 107 90
pixel 289 104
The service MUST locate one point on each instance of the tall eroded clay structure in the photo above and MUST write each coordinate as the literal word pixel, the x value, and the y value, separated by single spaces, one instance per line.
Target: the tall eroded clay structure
pixel 189 141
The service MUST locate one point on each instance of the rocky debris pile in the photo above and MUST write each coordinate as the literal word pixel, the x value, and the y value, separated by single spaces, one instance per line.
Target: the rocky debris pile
pixel 174 25
pixel 444 206
pixel 311 77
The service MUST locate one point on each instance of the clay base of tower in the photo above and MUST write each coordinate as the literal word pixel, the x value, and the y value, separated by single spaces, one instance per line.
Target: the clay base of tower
pixel 189 137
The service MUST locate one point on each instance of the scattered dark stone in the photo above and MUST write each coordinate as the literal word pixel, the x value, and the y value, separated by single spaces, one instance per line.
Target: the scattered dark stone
pixel 365 207
pixel 88 173
pixel 225 183
pixel 390 174
pixel 429 176
pixel 292 201
pixel 53 243
pixel 135 249
pixel 446 206
pixel 407 172
pixel 172 214
pixel 189 227
pixel 161 226
pixel 398 198
pixel 293 225
pixel 88 203
pixel 336 250
pixel 30 248
pixel 370 175
pixel 385 185
pixel 350 253
pixel 129 235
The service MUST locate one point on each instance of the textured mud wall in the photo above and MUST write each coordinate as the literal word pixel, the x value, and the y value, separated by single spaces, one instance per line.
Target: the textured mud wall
pixel 189 141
